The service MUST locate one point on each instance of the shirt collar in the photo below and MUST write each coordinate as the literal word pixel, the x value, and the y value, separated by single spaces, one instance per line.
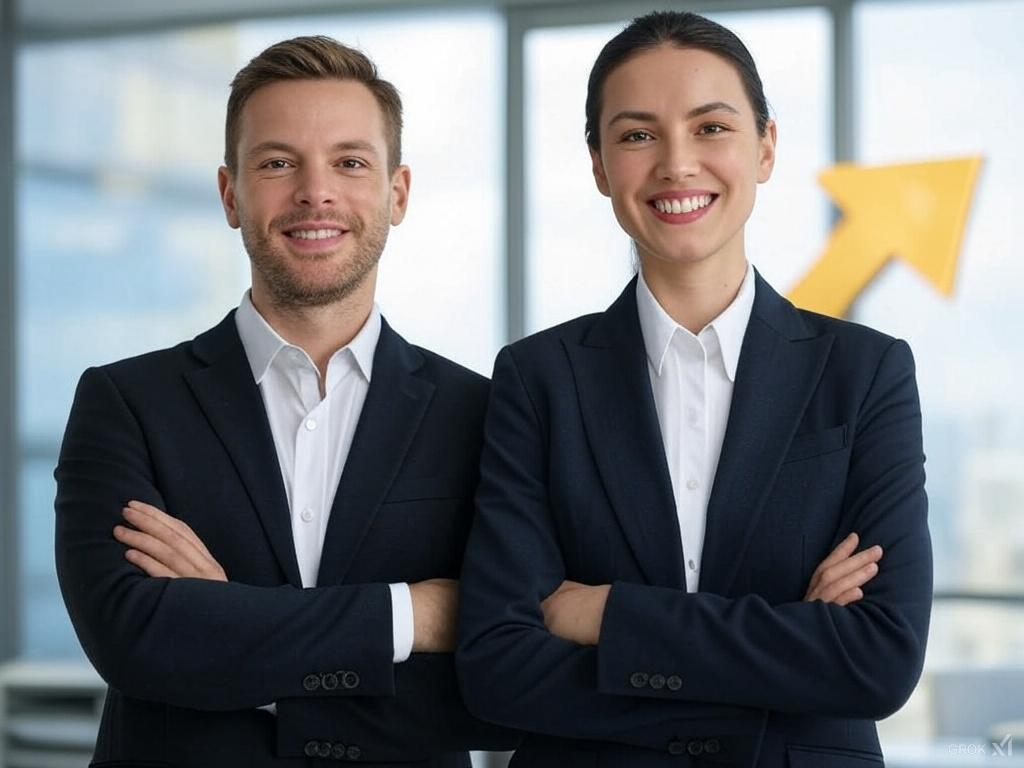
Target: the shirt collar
pixel 262 343
pixel 658 327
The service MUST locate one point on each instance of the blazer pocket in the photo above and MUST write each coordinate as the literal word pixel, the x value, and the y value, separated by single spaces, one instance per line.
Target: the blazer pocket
pixel 423 488
pixel 811 444
pixel 824 757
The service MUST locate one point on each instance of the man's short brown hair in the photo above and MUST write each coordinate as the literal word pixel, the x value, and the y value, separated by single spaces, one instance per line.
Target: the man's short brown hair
pixel 312 58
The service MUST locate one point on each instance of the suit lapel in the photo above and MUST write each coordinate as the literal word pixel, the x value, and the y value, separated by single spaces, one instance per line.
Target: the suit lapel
pixel 619 416
pixel 395 404
pixel 230 398
pixel 779 368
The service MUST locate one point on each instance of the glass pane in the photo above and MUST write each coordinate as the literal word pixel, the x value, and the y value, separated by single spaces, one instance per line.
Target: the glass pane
pixel 577 257
pixel 949 90
pixel 123 246
pixel 968 350
pixel 46 630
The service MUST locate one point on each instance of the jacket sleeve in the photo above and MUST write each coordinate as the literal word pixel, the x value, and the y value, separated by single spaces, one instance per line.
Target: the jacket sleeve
pixel 730 657
pixel 862 660
pixel 191 642
pixel 511 669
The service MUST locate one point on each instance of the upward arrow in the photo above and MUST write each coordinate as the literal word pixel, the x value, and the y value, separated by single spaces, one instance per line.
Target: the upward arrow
pixel 914 212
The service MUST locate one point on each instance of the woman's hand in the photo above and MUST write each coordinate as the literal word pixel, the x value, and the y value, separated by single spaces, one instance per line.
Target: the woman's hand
pixel 840 576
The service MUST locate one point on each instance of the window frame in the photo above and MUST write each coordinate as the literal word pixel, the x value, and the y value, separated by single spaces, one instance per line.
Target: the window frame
pixel 520 17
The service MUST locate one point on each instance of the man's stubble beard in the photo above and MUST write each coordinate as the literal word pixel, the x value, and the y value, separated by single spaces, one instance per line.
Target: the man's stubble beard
pixel 286 287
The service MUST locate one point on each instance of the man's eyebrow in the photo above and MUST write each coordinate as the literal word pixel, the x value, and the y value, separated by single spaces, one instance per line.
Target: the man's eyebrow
pixel 650 117
pixel 282 146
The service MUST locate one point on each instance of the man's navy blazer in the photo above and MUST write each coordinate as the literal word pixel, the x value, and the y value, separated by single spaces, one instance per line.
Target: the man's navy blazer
pixel 823 438
pixel 188 661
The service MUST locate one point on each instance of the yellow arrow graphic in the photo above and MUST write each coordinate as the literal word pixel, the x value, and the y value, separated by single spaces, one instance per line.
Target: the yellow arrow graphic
pixel 915 212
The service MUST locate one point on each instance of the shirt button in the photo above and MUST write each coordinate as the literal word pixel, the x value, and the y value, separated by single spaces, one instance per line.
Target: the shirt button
pixel 692 484
pixel 310 424
pixel 693 565
pixel 307 516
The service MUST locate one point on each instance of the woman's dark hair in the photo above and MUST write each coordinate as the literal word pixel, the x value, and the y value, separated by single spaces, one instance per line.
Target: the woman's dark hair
pixel 684 30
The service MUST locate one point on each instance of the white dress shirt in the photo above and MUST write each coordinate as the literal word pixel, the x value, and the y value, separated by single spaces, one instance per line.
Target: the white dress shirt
pixel 313 435
pixel 692 379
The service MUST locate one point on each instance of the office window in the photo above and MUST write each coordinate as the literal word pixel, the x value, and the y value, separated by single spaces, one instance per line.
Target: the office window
pixel 940 80
pixel 578 259
pixel 123 246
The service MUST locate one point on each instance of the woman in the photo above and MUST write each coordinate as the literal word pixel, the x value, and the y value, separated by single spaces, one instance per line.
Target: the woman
pixel 653 571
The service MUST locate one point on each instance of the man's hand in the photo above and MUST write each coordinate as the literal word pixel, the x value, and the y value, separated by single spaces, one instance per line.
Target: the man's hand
pixel 574 611
pixel 434 605
pixel 840 576
pixel 165 546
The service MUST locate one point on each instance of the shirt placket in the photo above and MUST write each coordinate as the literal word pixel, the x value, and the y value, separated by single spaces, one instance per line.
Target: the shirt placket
pixel 309 477
pixel 694 444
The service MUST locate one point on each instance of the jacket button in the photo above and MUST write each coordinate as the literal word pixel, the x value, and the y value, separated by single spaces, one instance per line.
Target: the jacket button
pixel 338 751
pixel 330 681
pixel 312 748
pixel 353 752
pixel 349 679
pixel 674 682
pixel 657 682
pixel 324 749
pixel 676 747
pixel 638 679
pixel 695 747
pixel 311 682
pixel 712 746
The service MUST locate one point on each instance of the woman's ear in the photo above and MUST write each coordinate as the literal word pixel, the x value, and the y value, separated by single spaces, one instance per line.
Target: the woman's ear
pixel 766 150
pixel 597 165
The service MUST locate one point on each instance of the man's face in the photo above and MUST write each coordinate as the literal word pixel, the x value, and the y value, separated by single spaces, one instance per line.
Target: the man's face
pixel 312 193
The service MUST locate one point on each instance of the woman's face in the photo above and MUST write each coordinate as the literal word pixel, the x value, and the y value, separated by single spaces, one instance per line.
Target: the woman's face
pixel 680 156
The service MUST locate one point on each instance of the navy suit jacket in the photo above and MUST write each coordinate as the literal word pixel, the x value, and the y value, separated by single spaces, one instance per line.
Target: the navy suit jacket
pixel 189 661
pixel 823 438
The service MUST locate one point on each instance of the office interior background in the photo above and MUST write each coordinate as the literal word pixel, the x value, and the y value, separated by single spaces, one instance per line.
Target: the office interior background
pixel 112 242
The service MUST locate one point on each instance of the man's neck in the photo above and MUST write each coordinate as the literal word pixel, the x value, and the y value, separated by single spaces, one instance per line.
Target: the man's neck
pixel 322 330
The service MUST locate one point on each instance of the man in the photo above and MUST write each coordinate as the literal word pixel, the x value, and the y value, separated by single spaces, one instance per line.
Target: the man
pixel 307 470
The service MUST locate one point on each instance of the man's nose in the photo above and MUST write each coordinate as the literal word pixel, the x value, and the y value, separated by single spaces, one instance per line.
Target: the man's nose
pixel 315 187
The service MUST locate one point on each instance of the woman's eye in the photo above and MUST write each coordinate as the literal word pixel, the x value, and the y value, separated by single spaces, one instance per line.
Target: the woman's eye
pixel 635 137
pixel 712 128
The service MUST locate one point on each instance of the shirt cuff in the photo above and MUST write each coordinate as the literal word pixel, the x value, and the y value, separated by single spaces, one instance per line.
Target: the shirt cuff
pixel 401 620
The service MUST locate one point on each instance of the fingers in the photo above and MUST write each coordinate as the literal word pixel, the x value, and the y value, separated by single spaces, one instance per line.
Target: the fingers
pixel 844 549
pixel 850 596
pixel 830 591
pixel 168 541
pixel 156 548
pixel 176 525
pixel 835 577
pixel 150 566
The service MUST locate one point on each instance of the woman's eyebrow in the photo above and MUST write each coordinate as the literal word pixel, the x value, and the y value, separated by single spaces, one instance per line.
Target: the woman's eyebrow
pixel 648 117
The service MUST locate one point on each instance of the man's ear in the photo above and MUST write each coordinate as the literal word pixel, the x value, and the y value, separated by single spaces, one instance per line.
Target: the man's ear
pixel 226 185
pixel 597 165
pixel 766 153
pixel 401 180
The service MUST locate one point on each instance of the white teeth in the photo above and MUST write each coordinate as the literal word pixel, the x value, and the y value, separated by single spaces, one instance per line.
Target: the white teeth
pixel 682 205
pixel 314 234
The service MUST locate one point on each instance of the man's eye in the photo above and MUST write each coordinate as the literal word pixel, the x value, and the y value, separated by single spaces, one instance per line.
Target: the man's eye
pixel 635 137
pixel 352 162
pixel 276 165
